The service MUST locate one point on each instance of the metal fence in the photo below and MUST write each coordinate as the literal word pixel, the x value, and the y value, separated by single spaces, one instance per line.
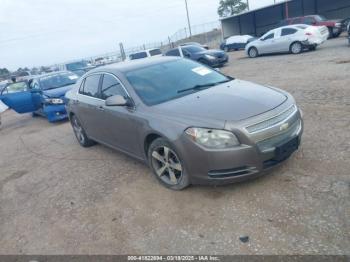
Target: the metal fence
pixel 208 33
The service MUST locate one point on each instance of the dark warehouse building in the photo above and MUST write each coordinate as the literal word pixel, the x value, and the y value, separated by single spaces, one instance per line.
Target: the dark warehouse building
pixel 259 21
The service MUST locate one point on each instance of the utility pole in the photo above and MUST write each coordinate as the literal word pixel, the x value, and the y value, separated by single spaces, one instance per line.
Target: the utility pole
pixel 248 5
pixel 188 19
pixel 287 10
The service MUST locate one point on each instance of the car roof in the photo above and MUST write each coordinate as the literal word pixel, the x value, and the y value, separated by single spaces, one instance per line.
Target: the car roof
pixel 51 74
pixel 132 65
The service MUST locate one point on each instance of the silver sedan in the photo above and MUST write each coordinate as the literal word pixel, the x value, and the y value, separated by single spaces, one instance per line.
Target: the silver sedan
pixel 293 39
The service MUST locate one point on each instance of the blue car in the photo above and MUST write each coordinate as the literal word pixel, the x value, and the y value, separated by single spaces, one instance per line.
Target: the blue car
pixel 236 42
pixel 42 95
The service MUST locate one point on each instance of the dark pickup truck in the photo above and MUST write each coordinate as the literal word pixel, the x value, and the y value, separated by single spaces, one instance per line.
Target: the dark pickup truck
pixel 335 27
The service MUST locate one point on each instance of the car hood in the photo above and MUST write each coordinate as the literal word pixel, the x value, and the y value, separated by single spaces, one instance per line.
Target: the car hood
pixel 57 92
pixel 233 101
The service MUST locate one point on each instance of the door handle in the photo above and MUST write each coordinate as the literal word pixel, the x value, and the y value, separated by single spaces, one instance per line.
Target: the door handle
pixel 101 108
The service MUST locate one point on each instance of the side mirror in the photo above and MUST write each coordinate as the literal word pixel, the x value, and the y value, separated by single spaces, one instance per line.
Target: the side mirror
pixel 117 100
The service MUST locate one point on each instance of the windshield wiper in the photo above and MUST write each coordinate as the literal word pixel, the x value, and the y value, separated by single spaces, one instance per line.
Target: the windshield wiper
pixel 54 87
pixel 200 87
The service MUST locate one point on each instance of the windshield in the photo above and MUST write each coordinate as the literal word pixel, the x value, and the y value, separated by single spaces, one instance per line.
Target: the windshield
pixel 76 65
pixel 194 49
pixel 167 81
pixel 58 80
pixel 320 18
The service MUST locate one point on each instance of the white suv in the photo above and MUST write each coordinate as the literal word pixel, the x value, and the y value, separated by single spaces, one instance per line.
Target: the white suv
pixel 145 54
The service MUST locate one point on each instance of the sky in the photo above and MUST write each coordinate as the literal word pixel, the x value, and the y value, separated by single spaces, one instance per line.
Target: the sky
pixel 45 32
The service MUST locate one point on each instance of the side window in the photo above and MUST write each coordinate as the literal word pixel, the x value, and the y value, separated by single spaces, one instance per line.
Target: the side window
pixel 111 87
pixel 155 52
pixel 90 86
pixel 173 52
pixel 288 31
pixel 309 20
pixel 16 87
pixel 297 20
pixel 270 36
pixel 139 55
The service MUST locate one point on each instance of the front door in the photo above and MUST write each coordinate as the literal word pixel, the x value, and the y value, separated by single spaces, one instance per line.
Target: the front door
pixel 117 123
pixel 20 98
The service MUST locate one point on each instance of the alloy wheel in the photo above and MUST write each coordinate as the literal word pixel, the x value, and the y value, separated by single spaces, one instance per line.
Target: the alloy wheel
pixel 167 165
pixel 253 52
pixel 78 130
pixel 296 48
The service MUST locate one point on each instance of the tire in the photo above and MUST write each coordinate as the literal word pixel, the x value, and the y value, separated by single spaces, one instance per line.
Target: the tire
pixel 296 48
pixel 313 48
pixel 166 165
pixel 226 49
pixel 80 133
pixel 330 30
pixel 253 52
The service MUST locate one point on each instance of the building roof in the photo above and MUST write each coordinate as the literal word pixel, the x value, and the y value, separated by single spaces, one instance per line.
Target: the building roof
pixel 255 10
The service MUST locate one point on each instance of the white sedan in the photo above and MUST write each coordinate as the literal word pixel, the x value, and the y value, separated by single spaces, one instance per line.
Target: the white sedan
pixel 293 38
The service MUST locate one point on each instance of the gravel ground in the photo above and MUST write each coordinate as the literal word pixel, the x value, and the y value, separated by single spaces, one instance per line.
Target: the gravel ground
pixel 59 198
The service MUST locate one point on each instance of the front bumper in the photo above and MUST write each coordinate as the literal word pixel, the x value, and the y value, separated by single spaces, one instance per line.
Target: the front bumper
pixel 218 62
pixel 55 113
pixel 251 159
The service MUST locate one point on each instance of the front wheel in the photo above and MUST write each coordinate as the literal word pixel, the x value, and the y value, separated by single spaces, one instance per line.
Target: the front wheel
pixel 296 48
pixel 253 52
pixel 80 133
pixel 226 49
pixel 167 165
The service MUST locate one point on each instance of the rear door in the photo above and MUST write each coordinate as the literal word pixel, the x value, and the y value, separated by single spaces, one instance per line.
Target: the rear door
pixel 285 39
pixel 20 98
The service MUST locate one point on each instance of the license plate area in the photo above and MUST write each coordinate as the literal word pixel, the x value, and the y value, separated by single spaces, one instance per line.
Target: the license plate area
pixel 284 151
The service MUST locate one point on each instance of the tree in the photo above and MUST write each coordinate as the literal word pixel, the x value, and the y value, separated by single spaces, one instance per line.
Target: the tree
pixel 231 7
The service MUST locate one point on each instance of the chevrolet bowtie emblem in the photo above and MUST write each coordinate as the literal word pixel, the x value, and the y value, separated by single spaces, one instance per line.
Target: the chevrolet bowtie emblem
pixel 284 127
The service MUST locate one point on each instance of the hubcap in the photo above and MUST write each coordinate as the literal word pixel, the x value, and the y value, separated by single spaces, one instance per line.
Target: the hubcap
pixel 78 130
pixel 296 48
pixel 167 165
pixel 253 52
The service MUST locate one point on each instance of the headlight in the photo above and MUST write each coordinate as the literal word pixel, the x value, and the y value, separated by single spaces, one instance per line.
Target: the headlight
pixel 212 138
pixel 338 25
pixel 54 101
pixel 210 57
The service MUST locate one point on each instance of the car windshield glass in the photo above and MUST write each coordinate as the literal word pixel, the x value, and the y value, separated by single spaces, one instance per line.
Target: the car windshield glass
pixel 320 18
pixel 76 66
pixel 194 49
pixel 170 80
pixel 58 80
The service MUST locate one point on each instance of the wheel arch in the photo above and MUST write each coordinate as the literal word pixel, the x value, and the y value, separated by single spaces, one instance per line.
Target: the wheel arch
pixel 148 141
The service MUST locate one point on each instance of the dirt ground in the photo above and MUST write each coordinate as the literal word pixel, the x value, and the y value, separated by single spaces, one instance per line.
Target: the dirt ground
pixel 59 198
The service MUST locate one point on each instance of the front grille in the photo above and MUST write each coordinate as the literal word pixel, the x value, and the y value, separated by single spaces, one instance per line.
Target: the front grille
pixel 272 121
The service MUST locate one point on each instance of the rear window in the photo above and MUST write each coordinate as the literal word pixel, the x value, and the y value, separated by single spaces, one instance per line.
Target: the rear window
pixel 155 52
pixel 139 55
